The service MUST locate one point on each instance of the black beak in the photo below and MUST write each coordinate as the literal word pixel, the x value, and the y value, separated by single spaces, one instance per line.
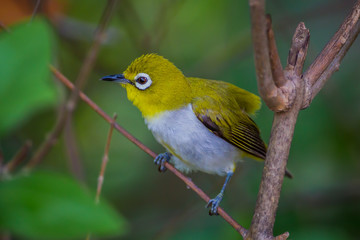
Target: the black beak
pixel 116 78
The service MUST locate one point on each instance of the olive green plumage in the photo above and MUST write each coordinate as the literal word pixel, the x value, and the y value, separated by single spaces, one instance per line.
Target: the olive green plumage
pixel 224 109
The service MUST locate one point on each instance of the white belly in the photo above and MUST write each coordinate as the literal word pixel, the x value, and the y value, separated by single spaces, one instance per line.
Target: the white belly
pixel 194 147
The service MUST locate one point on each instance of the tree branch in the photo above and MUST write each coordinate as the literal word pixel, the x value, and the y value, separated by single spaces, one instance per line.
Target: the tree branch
pixel 105 160
pixel 328 61
pixel 284 122
pixel 280 141
pixel 171 168
pixel 275 63
pixel 68 107
pixel 90 59
pixel 276 98
pixel 18 158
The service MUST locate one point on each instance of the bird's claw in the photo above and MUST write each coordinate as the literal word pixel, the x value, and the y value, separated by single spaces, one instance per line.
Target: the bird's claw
pixel 213 204
pixel 161 159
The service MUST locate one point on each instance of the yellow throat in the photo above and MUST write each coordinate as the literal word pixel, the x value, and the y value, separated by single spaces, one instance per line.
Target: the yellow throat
pixel 165 86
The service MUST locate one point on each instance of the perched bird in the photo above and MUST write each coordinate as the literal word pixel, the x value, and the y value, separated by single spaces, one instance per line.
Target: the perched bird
pixel 204 124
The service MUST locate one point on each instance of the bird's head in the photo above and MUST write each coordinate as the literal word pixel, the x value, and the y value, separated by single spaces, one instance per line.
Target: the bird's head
pixel 154 85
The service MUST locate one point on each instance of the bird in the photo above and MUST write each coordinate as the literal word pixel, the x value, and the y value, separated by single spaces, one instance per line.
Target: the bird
pixel 203 124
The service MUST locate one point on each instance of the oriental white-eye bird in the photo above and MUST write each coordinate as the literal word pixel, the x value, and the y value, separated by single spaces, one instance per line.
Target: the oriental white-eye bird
pixel 204 125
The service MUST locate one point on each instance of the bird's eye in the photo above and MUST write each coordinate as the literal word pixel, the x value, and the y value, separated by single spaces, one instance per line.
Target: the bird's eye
pixel 142 81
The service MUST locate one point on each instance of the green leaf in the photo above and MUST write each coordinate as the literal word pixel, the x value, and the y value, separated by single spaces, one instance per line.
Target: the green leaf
pixel 25 85
pixel 50 206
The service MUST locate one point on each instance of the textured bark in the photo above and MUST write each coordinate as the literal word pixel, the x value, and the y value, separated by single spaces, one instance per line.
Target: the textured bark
pixel 276 98
pixel 298 92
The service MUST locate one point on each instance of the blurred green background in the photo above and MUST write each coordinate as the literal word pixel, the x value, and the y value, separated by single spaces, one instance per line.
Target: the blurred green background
pixel 209 39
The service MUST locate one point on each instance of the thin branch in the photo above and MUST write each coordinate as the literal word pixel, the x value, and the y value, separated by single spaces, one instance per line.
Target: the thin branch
pixel 171 168
pixel 335 64
pixel 277 99
pixel 69 106
pixel 275 63
pixel 18 158
pixel 36 8
pixel 104 161
pixel 83 75
pixel 298 50
pixel 328 61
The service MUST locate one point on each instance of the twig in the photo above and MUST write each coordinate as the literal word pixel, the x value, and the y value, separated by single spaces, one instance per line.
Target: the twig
pixel 298 50
pixel 104 161
pixel 275 63
pixel 276 98
pixel 83 75
pixel 185 179
pixel 69 106
pixel 328 61
pixel 18 158
pixel 36 8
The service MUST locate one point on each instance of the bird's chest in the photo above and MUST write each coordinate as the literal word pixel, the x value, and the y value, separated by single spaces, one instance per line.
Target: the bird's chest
pixel 177 128
pixel 191 142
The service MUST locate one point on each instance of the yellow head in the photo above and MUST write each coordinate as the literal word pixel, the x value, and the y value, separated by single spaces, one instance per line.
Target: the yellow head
pixel 154 85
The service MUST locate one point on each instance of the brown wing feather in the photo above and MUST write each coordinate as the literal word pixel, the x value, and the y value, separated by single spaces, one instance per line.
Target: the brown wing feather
pixel 245 135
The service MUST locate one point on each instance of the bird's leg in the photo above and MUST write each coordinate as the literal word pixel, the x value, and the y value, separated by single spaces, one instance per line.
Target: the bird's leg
pixel 215 202
pixel 161 159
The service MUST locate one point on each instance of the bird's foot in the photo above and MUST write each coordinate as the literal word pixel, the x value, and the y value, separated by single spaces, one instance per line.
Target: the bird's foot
pixel 161 159
pixel 213 204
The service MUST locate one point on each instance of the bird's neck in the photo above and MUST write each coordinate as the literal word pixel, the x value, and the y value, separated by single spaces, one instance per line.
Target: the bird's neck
pixel 171 98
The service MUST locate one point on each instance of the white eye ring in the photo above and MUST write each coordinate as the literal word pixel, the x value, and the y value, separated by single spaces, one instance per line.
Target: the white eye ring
pixel 142 81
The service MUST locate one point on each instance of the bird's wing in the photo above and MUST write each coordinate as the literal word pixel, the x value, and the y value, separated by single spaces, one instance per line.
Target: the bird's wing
pixel 225 116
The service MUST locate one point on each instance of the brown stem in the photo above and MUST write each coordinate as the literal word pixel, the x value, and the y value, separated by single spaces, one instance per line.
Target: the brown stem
pixel 298 49
pixel 121 130
pixel 275 63
pixel 67 109
pixel 273 173
pixel 71 144
pixel 36 8
pixel 105 160
pixel 335 64
pixel 277 99
pixel 328 61
pixel 280 141
pixel 18 158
